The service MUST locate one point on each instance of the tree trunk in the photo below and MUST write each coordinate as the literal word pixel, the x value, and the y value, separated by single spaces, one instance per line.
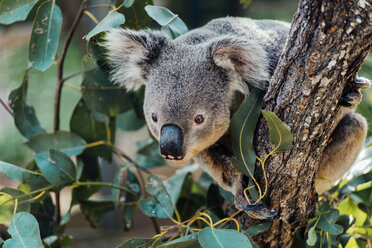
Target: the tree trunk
pixel 327 45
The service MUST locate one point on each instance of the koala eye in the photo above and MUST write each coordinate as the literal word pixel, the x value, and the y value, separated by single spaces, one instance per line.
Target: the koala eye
pixel 199 119
pixel 154 117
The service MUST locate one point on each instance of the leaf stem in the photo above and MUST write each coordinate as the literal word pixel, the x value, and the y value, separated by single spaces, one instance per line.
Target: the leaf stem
pixel 99 6
pixel 6 107
pixel 60 62
pixel 109 185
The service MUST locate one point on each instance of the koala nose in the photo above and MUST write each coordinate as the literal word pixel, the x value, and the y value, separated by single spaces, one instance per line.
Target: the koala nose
pixel 171 142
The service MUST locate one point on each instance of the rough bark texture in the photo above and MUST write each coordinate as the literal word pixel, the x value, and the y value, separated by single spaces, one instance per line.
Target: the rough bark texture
pixel 328 42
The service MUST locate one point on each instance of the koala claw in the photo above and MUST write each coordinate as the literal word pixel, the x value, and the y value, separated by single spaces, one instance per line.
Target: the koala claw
pixel 260 211
pixel 352 95
pixel 361 83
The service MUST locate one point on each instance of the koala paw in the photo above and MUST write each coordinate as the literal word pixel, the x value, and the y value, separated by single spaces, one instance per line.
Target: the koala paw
pixel 352 95
pixel 258 211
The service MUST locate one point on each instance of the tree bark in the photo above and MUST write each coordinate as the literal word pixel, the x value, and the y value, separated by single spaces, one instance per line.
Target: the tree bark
pixel 326 47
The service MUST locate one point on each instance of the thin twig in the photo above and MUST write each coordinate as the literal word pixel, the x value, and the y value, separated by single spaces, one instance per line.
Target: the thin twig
pixel 57 101
pixel 6 107
pixel 155 224
pixel 72 75
pixel 99 6
pixel 116 150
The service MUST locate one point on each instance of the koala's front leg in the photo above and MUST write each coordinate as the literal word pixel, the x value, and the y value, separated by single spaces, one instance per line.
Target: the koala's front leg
pixel 216 162
pixel 346 140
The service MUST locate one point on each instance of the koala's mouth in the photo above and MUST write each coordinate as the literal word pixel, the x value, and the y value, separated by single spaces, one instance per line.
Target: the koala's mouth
pixel 170 157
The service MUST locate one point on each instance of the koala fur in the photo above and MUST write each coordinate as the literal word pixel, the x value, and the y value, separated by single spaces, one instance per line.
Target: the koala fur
pixel 208 72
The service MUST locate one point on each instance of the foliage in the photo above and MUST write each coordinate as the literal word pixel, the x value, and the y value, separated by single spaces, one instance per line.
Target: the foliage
pixel 72 158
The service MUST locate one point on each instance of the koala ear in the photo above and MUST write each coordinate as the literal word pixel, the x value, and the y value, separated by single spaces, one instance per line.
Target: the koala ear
pixel 130 54
pixel 244 57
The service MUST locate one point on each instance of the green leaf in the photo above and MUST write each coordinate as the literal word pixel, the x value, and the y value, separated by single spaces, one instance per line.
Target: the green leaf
pixel 7 203
pixel 66 142
pixel 12 11
pixel 165 17
pixel 228 196
pixel 311 240
pixel 222 238
pixel 129 121
pixel 136 17
pixel 160 204
pixel 129 211
pixel 327 220
pixel 280 136
pixel 92 126
pixel 23 113
pixel 128 3
pixel 19 174
pixel 45 35
pixel 242 126
pixel 258 228
pixel 245 2
pixel 95 210
pixel 6 208
pixel 188 241
pixel 353 183
pixel 174 183
pixel 57 168
pixel 25 232
pixel 148 154
pixel 102 95
pixel 112 20
pixel 134 243
pixel 90 172
pixel 43 210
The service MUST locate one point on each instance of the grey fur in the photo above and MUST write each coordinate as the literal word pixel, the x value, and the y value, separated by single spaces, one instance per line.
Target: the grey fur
pixel 202 73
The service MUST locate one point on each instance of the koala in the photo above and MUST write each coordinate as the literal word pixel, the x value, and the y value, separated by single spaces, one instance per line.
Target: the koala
pixel 195 82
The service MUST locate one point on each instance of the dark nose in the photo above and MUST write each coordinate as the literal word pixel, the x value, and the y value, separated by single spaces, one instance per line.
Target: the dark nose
pixel 171 142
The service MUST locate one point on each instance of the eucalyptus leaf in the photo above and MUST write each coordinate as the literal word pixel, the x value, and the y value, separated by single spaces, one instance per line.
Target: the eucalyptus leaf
pixel 188 241
pixel 355 182
pixel 242 126
pixel 312 237
pixel 92 126
pixel 112 20
pixel 245 2
pixel 12 11
pixel 101 95
pixel 327 222
pixel 19 174
pixel 129 121
pixel 210 237
pixel 23 113
pixel 280 136
pixel 133 243
pixel 95 210
pixel 258 228
pixel 129 210
pixel 7 203
pixel 45 35
pixel 175 182
pixel 128 3
pixel 165 17
pixel 24 230
pixel 57 167
pixel 67 142
pixel 159 204
pixel 136 16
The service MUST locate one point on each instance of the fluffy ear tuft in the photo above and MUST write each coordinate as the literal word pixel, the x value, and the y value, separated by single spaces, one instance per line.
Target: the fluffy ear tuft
pixel 130 54
pixel 246 58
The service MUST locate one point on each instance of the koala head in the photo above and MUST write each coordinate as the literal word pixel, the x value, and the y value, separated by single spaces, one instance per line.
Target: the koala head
pixel 190 88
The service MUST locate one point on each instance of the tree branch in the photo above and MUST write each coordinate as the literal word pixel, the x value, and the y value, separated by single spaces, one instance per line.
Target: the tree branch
pixel 57 101
pixel 326 47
